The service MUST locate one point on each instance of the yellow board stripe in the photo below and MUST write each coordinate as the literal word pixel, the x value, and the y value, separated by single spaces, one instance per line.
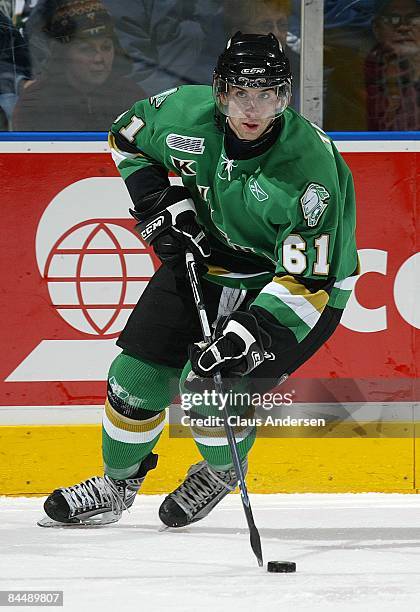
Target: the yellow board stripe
pixel 39 458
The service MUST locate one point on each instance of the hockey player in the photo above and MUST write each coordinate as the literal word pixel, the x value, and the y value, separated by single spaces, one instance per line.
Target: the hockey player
pixel 267 207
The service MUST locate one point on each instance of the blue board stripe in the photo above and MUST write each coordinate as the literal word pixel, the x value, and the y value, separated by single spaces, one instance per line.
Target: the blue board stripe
pixel 366 136
pixel 102 136
pixel 53 136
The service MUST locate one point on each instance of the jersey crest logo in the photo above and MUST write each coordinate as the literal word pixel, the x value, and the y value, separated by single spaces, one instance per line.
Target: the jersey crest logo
pixel 314 202
pixel 189 144
pixel 203 191
pixel 160 98
pixel 257 191
pixel 184 166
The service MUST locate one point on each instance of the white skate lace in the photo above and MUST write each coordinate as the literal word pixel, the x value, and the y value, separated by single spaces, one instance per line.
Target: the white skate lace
pixel 92 494
pixel 202 485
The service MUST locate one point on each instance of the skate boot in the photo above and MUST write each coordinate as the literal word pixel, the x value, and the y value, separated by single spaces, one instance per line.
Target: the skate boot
pixel 203 488
pixel 95 501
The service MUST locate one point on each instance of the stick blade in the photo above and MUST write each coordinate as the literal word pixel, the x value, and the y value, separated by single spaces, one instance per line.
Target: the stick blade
pixel 256 545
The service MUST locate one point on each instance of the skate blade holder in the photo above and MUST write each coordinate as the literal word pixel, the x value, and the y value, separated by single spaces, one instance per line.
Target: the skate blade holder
pixel 46 521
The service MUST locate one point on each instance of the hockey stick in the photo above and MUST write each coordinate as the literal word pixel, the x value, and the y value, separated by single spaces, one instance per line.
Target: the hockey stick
pixel 230 435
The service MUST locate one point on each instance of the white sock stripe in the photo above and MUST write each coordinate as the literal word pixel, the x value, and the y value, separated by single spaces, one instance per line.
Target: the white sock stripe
pixel 130 437
pixel 209 441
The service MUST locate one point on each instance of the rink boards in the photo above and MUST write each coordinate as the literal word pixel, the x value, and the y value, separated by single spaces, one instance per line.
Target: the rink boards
pixel 73 269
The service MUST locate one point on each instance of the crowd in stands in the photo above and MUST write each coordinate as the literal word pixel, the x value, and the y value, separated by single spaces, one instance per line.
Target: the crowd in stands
pixel 372 65
pixel 73 65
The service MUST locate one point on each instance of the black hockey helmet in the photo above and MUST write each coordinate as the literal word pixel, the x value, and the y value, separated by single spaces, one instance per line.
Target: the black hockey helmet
pixel 255 61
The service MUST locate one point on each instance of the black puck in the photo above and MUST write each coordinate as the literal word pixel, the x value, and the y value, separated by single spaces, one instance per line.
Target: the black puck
pixel 281 567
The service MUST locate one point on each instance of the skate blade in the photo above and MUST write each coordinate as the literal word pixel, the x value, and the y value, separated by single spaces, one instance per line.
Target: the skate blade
pixel 46 521
pixel 166 529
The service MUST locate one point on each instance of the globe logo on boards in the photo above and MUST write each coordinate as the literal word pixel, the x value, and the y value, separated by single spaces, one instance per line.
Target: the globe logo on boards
pixel 95 266
pixel 96 272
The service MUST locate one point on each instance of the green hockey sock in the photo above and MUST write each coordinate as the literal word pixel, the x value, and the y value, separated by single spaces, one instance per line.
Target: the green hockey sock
pixel 219 456
pixel 207 429
pixel 134 416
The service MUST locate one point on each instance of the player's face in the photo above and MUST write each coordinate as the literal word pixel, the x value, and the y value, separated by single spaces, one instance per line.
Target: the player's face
pixel 89 62
pixel 250 110
pixel 399 27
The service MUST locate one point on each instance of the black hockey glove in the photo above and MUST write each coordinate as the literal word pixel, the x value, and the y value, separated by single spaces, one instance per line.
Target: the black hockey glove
pixel 169 225
pixel 237 349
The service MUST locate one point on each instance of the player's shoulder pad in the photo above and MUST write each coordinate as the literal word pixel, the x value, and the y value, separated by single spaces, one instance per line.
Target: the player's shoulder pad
pixel 305 132
pixel 187 105
pixel 178 97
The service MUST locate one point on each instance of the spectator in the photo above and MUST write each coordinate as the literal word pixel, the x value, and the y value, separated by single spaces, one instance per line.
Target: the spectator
pixel 14 68
pixel 164 39
pixel 37 31
pixel 80 89
pixel 392 68
pixel 263 17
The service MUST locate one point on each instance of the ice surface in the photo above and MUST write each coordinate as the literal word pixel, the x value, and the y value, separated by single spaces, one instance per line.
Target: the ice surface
pixel 353 552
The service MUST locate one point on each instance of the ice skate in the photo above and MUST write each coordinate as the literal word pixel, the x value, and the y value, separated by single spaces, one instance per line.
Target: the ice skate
pixel 203 488
pixel 95 501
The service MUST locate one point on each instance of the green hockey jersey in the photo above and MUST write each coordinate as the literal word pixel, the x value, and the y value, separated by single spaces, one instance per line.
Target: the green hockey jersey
pixel 282 222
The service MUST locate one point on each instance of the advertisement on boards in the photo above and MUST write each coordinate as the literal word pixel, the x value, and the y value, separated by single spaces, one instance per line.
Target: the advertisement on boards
pixel 73 269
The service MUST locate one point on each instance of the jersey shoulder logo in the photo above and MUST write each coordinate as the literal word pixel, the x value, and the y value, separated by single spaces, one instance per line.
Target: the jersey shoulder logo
pixel 184 166
pixel 257 191
pixel 160 98
pixel 189 144
pixel 314 202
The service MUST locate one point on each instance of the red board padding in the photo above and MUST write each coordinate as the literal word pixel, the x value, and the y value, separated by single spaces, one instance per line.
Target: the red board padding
pixel 386 225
